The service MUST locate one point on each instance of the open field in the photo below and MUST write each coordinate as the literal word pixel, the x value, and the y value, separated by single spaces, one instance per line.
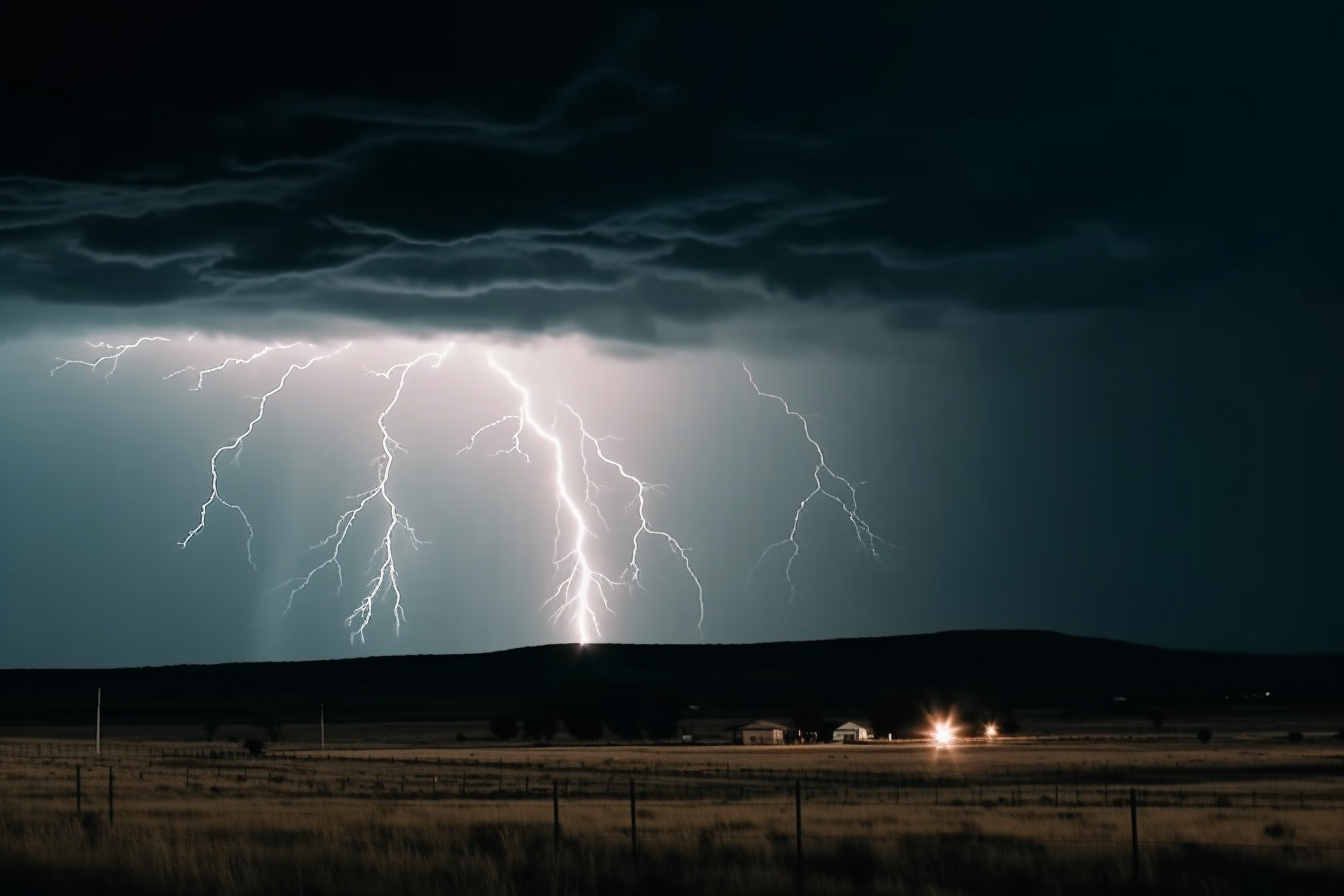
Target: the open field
pixel 392 809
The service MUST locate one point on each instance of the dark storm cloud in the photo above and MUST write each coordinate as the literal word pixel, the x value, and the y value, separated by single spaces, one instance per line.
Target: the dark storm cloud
pixel 604 169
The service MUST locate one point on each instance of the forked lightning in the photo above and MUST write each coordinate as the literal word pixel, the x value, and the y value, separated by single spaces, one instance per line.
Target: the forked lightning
pixel 581 585
pixel 848 501
pixel 385 580
pixel 583 589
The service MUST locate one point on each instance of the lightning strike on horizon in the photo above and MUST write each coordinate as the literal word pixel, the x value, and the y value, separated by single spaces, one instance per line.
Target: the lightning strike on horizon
pixel 642 488
pixel 575 586
pixel 862 534
pixel 117 352
pixel 581 585
pixel 385 581
pixel 203 373
pixel 236 445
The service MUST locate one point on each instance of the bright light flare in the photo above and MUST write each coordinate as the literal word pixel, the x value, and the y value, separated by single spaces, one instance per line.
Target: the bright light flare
pixel 991 731
pixel 944 733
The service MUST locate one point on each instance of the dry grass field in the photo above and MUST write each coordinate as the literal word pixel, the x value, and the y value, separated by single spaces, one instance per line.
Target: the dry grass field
pixel 409 809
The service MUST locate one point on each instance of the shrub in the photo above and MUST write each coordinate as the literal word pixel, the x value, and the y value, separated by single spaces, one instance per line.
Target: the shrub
pixel 91 823
pixel 255 746
pixel 1280 831
pixel 1204 735
pixel 1295 737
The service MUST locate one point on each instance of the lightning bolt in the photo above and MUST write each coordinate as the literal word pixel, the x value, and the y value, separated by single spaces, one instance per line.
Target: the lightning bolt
pixel 385 579
pixel 642 489
pixel 847 500
pixel 581 585
pixel 579 582
pixel 235 447
pixel 116 352
pixel 202 374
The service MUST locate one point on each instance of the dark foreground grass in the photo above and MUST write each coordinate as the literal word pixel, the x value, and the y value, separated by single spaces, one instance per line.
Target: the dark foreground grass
pixel 393 853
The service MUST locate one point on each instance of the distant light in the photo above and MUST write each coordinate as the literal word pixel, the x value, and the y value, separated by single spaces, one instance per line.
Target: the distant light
pixel 944 733
pixel 991 731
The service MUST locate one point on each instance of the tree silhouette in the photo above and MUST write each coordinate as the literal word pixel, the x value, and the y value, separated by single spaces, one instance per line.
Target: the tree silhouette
pixel 660 713
pixel 620 713
pixel 538 720
pixel 808 714
pixel 504 727
pixel 582 720
pixel 896 713
pixel 581 708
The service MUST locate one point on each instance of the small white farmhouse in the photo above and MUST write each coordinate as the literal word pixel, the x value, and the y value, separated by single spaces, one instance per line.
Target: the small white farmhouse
pixel 759 732
pixel 850 732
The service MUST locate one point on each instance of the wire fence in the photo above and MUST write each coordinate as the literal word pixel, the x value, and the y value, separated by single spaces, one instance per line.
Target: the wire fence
pixel 296 773
pixel 804 820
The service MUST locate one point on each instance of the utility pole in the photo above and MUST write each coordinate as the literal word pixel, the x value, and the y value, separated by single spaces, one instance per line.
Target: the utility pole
pixel 322 724
pixel 98 726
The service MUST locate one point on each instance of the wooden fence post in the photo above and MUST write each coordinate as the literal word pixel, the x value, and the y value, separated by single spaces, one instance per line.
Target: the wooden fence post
pixel 79 792
pixel 1134 830
pixel 109 796
pixel 634 837
pixel 798 834
pixel 555 806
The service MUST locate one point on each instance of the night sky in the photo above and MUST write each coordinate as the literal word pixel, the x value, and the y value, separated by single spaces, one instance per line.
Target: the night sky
pixel 1055 286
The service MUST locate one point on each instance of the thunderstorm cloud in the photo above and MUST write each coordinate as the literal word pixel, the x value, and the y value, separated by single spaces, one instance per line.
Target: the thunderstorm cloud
pixel 622 170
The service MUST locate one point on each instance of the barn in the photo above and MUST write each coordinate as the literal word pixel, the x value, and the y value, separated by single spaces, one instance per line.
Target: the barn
pixel 850 732
pixel 759 732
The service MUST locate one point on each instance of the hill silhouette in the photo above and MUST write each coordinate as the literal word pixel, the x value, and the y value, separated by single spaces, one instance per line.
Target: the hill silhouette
pixel 1000 669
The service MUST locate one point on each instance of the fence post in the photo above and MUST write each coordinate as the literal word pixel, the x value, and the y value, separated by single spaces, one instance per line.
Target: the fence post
pixel 634 837
pixel 798 820
pixel 1134 830
pixel 555 806
pixel 79 792
pixel 109 796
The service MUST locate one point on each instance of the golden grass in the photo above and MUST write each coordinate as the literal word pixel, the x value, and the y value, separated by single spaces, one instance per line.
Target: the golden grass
pixel 1026 816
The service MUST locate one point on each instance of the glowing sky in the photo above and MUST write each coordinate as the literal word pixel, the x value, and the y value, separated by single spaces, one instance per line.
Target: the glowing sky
pixel 1058 293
